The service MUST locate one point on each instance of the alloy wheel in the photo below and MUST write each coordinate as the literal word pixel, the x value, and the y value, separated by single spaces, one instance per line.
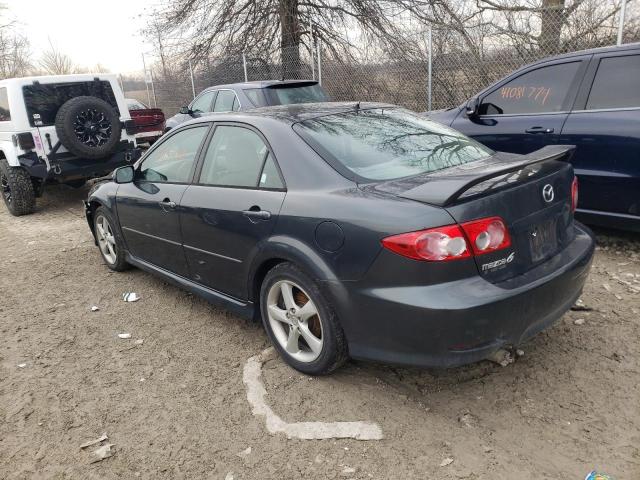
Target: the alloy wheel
pixel 295 321
pixel 92 127
pixel 106 240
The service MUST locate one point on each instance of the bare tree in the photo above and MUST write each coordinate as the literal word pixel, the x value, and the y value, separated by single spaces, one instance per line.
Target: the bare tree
pixel 266 25
pixel 15 52
pixel 54 62
pixel 15 55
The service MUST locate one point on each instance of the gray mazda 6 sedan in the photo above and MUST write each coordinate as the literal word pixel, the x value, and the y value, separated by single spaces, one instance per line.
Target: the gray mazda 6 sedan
pixel 353 230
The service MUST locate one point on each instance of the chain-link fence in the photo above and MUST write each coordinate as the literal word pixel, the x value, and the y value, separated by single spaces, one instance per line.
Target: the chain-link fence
pixel 432 66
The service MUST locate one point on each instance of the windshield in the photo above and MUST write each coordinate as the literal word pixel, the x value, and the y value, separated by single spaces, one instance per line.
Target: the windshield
pixel 286 95
pixel 388 143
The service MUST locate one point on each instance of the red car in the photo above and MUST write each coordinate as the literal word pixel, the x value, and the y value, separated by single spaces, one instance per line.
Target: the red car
pixel 148 122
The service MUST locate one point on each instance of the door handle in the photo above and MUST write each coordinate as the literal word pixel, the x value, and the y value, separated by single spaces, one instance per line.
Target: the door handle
pixel 166 203
pixel 257 214
pixel 539 130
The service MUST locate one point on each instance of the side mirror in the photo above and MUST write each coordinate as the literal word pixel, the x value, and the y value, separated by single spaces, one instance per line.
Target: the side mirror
pixel 186 111
pixel 124 174
pixel 471 110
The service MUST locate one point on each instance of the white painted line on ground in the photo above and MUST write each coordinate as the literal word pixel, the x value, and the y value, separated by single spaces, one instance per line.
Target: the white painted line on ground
pixel 303 430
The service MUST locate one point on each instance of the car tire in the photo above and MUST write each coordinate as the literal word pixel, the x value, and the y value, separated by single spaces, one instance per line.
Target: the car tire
pixel 88 127
pixel 16 189
pixel 110 243
pixel 332 351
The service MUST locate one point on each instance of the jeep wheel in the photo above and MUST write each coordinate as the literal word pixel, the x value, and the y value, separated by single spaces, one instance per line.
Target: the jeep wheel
pixel 16 189
pixel 88 127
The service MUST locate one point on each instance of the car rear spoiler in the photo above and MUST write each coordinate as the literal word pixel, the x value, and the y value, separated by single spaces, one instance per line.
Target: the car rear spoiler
pixel 445 187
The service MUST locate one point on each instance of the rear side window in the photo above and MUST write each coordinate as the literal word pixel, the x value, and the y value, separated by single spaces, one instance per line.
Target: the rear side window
pixel 44 100
pixel 385 144
pixel 616 84
pixel 5 113
pixel 538 91
pixel 172 160
pixel 270 177
pixel 225 101
pixel 236 157
pixel 256 97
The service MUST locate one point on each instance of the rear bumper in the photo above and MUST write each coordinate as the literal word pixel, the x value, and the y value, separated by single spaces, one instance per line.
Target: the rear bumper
pixel 464 321
pixel 70 168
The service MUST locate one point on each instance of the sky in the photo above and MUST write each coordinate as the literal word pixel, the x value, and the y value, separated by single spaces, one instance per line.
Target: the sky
pixel 90 32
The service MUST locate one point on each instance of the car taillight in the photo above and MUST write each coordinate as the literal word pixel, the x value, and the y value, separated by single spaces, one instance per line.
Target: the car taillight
pixel 487 235
pixel 452 242
pixel 435 244
pixel 574 194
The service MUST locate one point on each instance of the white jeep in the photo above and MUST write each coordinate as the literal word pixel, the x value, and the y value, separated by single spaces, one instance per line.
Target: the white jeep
pixel 64 129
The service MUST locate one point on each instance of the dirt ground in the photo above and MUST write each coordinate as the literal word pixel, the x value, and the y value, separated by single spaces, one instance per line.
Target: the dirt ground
pixel 175 406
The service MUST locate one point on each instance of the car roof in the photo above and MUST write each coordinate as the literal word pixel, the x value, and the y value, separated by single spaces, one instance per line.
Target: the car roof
pixel 44 79
pixel 590 51
pixel 293 113
pixel 262 84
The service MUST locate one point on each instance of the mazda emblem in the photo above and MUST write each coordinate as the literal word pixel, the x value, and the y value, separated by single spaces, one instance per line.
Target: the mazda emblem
pixel 547 193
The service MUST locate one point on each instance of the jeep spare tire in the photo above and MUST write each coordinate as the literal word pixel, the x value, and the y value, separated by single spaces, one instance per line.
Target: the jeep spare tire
pixel 88 127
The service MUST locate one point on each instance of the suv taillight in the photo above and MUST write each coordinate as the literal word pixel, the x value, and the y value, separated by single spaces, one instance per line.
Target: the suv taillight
pixel 24 141
pixel 452 242
pixel 574 194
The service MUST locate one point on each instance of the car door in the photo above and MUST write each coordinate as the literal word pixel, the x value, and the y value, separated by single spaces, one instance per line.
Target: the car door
pixel 527 111
pixel 232 208
pixel 605 126
pixel 148 208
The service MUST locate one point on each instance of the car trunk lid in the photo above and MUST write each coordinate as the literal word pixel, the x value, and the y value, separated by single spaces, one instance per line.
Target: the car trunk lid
pixel 531 193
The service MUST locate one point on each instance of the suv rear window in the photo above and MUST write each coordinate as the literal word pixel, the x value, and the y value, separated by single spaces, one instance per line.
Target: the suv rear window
pixel 44 100
pixel 286 94
pixel 386 143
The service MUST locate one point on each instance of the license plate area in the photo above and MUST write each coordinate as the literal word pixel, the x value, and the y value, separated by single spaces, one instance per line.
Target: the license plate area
pixel 543 240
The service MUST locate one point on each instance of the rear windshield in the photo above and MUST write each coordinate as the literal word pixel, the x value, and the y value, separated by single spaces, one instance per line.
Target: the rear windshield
pixel 44 100
pixel 285 95
pixel 389 143
pixel 133 104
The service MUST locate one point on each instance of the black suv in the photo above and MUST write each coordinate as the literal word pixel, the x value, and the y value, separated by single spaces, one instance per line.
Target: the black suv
pixel 590 99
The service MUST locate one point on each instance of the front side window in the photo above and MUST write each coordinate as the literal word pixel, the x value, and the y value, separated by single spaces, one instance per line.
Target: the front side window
pixel 173 159
pixel 388 143
pixel 225 101
pixel 616 84
pixel 236 157
pixel 202 104
pixel 5 113
pixel 538 91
